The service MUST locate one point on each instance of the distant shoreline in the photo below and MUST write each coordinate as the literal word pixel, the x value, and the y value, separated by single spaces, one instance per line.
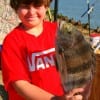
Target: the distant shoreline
pixel 83 27
pixel 75 9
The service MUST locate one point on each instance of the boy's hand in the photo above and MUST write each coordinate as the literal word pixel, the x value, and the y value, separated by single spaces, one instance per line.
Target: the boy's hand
pixel 75 94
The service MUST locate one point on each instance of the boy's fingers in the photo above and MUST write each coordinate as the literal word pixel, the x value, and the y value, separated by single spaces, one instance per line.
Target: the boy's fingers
pixel 76 97
pixel 76 91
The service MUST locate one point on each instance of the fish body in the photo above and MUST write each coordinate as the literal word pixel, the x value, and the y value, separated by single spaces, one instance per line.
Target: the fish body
pixel 75 58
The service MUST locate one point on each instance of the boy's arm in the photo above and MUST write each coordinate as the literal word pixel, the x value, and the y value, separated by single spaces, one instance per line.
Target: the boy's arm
pixel 32 92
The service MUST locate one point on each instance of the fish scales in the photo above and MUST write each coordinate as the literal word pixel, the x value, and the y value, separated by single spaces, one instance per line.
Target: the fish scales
pixel 75 58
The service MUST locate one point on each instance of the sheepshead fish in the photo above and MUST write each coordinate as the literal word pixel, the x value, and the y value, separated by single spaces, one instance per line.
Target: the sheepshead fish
pixel 75 58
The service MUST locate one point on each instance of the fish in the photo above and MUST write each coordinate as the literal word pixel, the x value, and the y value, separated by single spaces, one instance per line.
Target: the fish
pixel 76 60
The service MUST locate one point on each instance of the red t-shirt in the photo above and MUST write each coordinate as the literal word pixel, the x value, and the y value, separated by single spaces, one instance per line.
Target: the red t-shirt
pixel 30 58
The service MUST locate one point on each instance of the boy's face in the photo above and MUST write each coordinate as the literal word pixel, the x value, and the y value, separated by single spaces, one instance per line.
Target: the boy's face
pixel 31 15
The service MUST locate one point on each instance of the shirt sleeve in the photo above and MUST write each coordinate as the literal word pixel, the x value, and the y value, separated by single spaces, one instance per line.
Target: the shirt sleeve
pixel 14 61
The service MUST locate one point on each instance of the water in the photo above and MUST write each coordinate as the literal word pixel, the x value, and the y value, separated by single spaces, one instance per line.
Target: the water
pixel 75 8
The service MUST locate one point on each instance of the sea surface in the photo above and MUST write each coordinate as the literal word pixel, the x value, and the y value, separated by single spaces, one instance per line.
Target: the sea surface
pixel 75 9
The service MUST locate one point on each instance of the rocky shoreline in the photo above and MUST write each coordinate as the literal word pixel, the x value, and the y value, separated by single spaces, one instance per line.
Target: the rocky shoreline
pixel 83 27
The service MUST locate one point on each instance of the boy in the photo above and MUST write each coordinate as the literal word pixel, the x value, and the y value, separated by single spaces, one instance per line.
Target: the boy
pixel 28 56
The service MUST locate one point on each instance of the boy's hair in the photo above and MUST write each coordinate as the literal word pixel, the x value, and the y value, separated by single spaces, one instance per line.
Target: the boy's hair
pixel 16 3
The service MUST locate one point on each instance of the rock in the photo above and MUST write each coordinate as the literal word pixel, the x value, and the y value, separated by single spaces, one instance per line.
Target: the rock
pixel 8 19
